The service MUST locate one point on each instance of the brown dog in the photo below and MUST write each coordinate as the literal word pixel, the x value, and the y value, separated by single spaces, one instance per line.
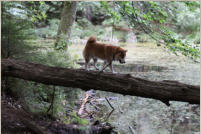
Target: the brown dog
pixel 108 53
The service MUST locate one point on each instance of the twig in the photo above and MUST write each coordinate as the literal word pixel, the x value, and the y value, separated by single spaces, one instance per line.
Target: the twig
pixel 132 130
pixel 120 110
pixel 140 24
pixel 111 107
pixel 96 107
pixel 109 103
pixel 51 106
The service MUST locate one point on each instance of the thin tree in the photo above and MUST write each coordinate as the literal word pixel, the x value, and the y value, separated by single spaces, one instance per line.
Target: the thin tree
pixel 66 23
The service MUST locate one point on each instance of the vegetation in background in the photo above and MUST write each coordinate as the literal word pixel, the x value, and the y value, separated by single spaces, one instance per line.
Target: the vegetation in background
pixel 154 18
pixel 29 30
pixel 19 41
pixel 15 30
pixel 64 30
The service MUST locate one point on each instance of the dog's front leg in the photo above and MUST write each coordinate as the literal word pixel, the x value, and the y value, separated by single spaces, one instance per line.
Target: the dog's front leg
pixel 86 66
pixel 111 68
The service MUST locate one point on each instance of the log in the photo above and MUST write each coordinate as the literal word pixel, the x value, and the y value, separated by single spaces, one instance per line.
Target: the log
pixel 124 84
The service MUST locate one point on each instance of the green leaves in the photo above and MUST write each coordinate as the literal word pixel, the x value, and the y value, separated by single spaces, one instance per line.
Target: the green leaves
pixel 192 5
pixel 177 45
pixel 154 18
pixel 61 45
pixel 148 17
pixel 76 119
pixel 15 29
pixel 112 12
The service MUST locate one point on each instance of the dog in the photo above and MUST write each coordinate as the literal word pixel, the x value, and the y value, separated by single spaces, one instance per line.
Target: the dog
pixel 107 52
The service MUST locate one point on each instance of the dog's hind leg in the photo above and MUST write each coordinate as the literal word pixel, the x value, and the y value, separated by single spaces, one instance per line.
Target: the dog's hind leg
pixel 106 64
pixel 95 61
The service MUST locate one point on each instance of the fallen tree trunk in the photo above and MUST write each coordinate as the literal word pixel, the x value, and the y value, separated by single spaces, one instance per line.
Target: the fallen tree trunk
pixel 118 83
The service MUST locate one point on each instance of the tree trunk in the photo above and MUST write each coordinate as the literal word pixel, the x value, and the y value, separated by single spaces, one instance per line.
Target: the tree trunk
pixel 118 83
pixel 66 23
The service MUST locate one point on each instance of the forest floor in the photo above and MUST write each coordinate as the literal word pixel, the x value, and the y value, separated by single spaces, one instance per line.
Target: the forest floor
pixel 144 60
pixel 152 62
pixel 15 120
pixel 148 61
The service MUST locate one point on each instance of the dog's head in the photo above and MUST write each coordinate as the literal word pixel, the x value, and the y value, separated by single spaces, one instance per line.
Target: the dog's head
pixel 120 56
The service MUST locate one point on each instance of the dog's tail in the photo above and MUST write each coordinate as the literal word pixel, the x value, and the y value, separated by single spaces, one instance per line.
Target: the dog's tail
pixel 92 39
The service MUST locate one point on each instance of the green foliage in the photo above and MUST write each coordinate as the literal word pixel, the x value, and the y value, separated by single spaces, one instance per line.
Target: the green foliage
pixel 49 31
pixel 83 128
pixel 77 120
pixel 61 45
pixel 37 9
pixel 15 30
pixel 95 7
pixel 37 97
pixel 188 24
pixel 121 35
pixel 85 33
pixel 17 42
pixel 115 16
pixel 177 45
pixel 152 17
pixel 192 5
pixel 66 120
pixel 177 27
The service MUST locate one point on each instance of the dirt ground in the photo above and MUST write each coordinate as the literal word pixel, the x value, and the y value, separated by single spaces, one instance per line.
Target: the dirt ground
pixel 179 67
pixel 146 60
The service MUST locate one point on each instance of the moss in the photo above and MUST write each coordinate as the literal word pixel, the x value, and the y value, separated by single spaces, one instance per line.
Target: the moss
pixel 77 120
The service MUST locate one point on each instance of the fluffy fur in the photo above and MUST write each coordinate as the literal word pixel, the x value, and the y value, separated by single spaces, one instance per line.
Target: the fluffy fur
pixel 108 53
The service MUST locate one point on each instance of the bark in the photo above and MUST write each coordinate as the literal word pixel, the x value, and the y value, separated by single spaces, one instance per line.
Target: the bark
pixel 66 23
pixel 118 83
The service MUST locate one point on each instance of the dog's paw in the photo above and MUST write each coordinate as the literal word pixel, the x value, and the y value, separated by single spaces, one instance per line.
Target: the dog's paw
pixel 100 72
pixel 114 72
pixel 87 69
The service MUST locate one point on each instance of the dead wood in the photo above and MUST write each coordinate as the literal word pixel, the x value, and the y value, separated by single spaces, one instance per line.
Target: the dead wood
pixel 124 84
pixel 111 110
